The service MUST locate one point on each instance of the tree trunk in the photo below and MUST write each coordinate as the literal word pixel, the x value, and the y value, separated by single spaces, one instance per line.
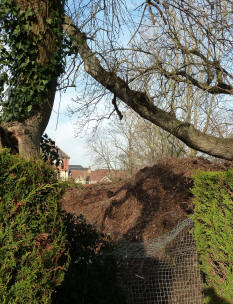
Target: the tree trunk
pixel 24 137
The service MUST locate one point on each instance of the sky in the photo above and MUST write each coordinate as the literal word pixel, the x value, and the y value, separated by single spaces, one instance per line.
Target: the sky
pixel 62 132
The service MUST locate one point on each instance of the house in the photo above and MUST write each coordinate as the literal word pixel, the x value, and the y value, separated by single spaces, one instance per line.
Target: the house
pixel 100 176
pixel 80 174
pixel 63 168
pixel 103 176
pixel 84 175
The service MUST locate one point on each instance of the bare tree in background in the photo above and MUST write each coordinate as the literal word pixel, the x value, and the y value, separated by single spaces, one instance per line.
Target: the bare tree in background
pixel 103 153
pixel 132 143
pixel 184 44
pixel 192 48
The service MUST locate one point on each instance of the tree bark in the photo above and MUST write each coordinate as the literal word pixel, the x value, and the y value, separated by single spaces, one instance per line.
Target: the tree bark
pixel 24 137
pixel 140 103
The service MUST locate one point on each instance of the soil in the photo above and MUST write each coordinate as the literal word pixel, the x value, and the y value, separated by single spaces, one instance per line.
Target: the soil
pixel 145 206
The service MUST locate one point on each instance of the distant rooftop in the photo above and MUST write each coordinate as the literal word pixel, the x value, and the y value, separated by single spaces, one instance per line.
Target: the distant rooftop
pixel 77 167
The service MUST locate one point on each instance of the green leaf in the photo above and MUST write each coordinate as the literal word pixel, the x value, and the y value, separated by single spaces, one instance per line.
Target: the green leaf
pixel 29 108
pixel 49 20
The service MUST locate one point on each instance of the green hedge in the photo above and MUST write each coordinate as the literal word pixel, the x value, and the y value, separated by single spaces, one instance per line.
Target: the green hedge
pixel 33 254
pixel 47 256
pixel 213 230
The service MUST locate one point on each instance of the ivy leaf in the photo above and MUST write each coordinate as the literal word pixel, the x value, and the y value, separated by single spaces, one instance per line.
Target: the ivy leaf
pixel 49 20
pixel 29 108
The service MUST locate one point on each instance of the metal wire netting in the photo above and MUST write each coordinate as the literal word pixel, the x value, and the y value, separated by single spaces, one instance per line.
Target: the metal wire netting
pixel 162 270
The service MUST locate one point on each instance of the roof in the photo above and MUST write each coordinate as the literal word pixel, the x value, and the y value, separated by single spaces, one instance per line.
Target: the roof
pixel 83 174
pixel 77 167
pixel 105 180
pixel 97 175
pixel 62 154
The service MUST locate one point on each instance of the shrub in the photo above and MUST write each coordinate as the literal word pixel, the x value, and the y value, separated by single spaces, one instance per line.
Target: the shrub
pixel 213 228
pixel 91 278
pixel 33 254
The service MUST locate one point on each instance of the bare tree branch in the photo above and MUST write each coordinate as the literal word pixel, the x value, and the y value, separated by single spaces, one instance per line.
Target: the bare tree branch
pixel 116 107
pixel 140 103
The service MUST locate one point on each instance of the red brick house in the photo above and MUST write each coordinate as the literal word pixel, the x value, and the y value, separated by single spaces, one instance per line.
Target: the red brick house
pixel 63 168
pixel 100 176
pixel 84 175
pixel 80 174
pixel 106 176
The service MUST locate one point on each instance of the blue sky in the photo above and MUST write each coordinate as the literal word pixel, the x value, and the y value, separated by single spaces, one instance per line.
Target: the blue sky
pixel 63 132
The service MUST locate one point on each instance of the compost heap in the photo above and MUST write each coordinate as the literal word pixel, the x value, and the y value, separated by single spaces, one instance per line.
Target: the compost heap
pixel 145 206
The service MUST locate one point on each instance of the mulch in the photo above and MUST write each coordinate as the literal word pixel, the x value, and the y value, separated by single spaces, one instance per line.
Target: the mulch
pixel 145 206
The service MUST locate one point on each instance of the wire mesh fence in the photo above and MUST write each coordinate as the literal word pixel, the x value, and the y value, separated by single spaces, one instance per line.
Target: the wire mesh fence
pixel 161 271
